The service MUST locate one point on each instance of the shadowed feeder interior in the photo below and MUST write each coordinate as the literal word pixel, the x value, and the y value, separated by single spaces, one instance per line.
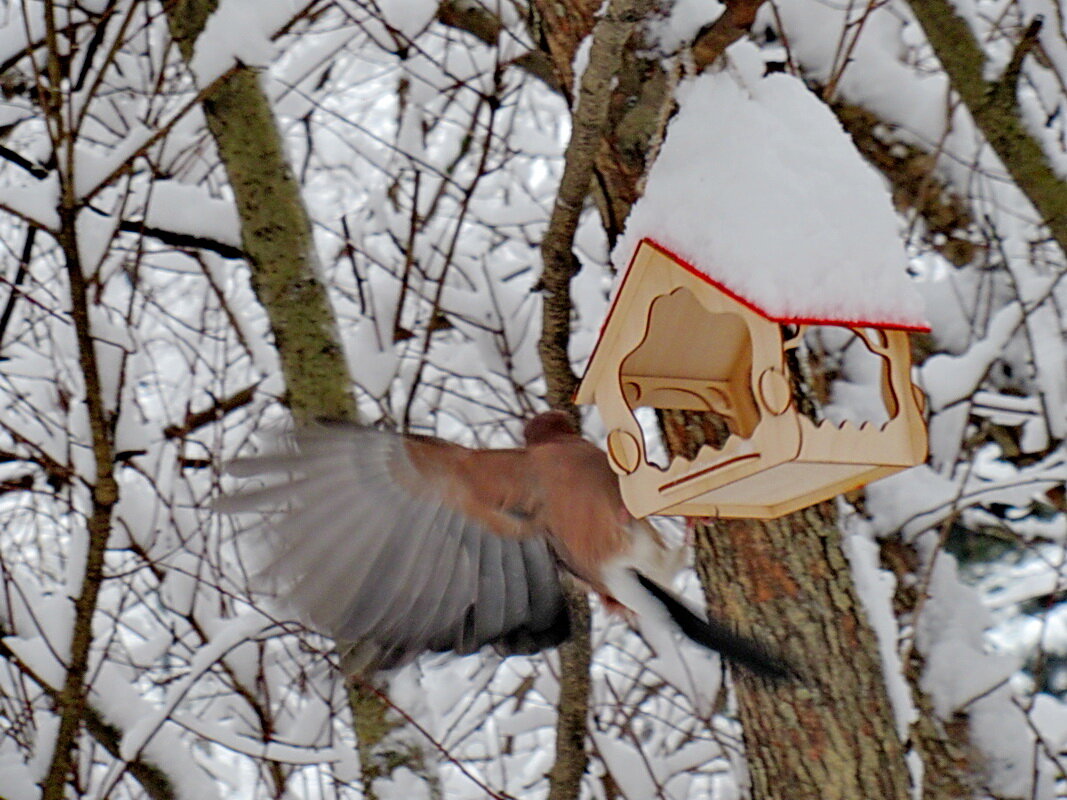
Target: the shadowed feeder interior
pixel 718 381
pixel 674 339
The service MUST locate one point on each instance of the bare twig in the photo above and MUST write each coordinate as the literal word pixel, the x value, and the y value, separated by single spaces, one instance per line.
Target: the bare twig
pixel 184 240
pixel 373 690
pixel 995 108
pixel 194 420
pixel 1009 79
pixel 20 276
pixel 475 18
pixel 153 780
pixel 37 170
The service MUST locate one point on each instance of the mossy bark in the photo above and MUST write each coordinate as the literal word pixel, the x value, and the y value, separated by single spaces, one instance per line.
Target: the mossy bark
pixel 276 233
pixel 994 106
pixel 276 237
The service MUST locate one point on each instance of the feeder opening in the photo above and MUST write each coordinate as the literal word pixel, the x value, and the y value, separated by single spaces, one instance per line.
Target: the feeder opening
pixel 764 415
pixel 674 368
pixel 850 373
pixel 655 448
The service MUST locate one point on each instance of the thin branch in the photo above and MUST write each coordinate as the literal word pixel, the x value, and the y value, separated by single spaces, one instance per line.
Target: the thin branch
pixel 153 780
pixel 994 107
pixel 73 698
pixel 194 420
pixel 478 20
pixel 36 169
pixel 735 22
pixel 20 276
pixel 610 35
pixel 186 240
pixel 1009 79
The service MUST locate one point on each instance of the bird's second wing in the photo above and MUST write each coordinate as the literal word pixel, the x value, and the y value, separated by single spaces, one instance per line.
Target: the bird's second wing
pixel 397 553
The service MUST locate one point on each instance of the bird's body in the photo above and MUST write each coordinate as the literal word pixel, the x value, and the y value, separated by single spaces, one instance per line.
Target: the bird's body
pixel 406 544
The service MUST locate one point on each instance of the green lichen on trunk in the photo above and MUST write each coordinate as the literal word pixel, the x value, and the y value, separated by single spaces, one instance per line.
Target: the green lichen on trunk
pixel 276 232
pixel 994 106
pixel 380 751
pixel 276 236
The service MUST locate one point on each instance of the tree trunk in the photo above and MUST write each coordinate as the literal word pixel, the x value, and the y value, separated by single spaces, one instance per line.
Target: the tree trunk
pixel 832 734
pixel 275 231
pixel 787 582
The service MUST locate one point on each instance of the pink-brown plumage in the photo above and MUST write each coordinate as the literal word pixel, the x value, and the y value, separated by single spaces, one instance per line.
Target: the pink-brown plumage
pixel 403 544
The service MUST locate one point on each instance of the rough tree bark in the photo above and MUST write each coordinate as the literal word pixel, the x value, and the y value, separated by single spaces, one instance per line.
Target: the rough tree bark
pixel 787 582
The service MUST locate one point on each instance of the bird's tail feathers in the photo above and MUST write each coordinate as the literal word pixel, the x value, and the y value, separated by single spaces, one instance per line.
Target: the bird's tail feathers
pixel 715 636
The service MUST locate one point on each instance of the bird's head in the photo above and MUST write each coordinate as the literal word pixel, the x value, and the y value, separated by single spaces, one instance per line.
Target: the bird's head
pixel 549 426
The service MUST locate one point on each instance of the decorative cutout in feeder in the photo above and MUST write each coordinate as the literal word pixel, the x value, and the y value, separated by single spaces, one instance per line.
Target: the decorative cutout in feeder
pixel 758 221
pixel 675 339
pixel 760 227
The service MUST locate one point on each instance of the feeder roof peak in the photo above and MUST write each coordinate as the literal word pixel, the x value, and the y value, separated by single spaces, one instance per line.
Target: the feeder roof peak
pixel 758 189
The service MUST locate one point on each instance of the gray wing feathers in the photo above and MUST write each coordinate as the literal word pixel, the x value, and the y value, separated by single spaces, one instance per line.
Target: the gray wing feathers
pixel 548 621
pixel 369 552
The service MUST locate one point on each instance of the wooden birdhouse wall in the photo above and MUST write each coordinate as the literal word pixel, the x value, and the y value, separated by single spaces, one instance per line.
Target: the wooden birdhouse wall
pixel 675 340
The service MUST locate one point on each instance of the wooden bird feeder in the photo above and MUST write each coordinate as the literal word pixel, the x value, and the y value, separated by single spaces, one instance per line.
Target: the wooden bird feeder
pixel 676 339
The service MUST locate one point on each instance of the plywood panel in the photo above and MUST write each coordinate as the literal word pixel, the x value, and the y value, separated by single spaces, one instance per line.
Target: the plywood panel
pixel 672 340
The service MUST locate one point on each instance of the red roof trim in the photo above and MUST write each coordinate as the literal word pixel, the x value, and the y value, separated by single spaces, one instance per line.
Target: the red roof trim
pixel 857 323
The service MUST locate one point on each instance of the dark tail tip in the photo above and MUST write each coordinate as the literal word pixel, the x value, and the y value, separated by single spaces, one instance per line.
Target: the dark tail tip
pixel 746 652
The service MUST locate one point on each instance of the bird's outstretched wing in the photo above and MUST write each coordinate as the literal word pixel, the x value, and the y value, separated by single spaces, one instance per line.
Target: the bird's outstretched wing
pixel 395 545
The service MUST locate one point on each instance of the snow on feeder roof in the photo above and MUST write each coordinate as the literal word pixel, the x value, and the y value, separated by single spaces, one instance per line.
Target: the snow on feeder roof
pixel 759 188
pixel 758 212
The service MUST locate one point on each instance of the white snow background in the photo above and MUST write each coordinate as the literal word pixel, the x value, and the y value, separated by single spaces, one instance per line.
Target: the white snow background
pixel 408 171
